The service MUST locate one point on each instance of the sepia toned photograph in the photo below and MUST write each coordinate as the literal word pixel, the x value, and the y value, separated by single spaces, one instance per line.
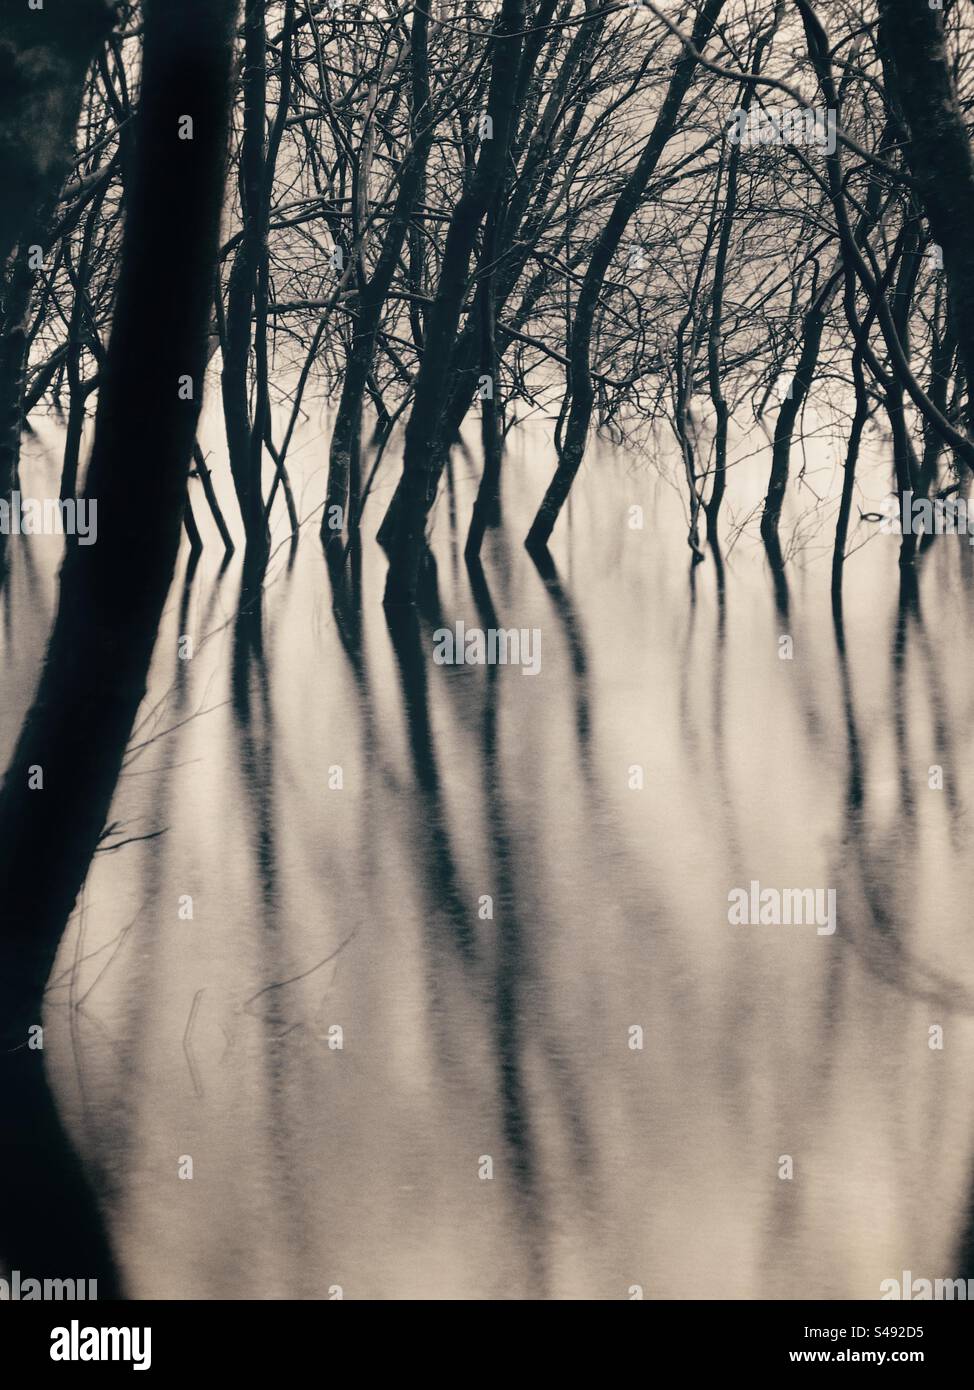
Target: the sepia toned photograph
pixel 486 621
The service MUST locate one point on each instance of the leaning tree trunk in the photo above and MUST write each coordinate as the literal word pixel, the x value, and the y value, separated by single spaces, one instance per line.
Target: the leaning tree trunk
pixel 523 218
pixel 486 508
pixel 580 370
pixel 112 597
pixel 813 327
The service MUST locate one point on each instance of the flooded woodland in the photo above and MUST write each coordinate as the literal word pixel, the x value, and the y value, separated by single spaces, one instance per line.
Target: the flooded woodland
pixel 501 632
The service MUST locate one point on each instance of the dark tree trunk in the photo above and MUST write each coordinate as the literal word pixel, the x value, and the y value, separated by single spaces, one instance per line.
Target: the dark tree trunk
pixel 112 596
pixel 523 220
pixel 859 418
pixel 78 392
pixel 486 509
pixel 715 333
pixel 420 476
pixel 784 429
pixel 905 460
pixel 345 449
pixel 580 383
pixel 245 457
pixel 13 360
pixel 942 356
pixel 938 151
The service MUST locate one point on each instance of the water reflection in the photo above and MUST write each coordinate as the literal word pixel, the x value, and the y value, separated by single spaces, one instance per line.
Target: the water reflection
pixel 337 808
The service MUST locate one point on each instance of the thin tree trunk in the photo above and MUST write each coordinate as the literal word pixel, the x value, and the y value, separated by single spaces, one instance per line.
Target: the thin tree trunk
pixel 486 509
pixel 859 418
pixel 211 499
pixel 580 372
pixel 77 392
pixel 812 329
pixel 191 528
pixel 13 362
pixel 942 356
pixel 242 292
pixel 346 441
pixel 715 334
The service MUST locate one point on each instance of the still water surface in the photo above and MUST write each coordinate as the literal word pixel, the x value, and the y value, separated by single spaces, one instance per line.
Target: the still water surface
pixel 315 907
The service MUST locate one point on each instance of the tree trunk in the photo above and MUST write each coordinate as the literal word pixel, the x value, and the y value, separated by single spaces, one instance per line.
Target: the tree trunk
pixel 486 508
pixel 938 152
pixel 245 460
pixel 859 418
pixel 112 597
pixel 345 449
pixel 580 383
pixel 13 361
pixel 784 429
pixel 716 327
pixel 418 478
